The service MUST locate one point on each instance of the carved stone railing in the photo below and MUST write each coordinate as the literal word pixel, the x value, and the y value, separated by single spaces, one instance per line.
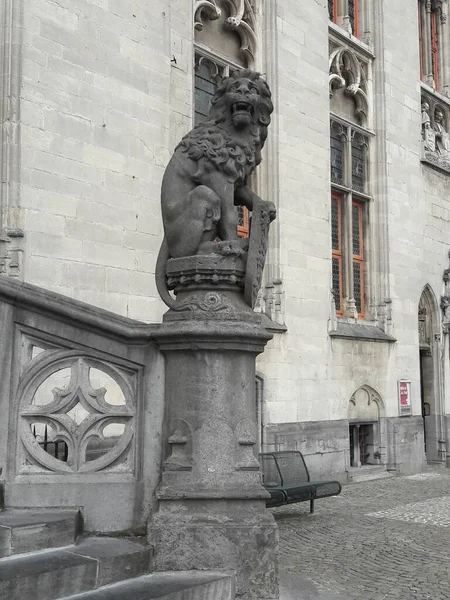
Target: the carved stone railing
pixel 77 388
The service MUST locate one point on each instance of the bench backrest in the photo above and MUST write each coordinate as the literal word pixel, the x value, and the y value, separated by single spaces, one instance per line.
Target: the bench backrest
pixel 282 469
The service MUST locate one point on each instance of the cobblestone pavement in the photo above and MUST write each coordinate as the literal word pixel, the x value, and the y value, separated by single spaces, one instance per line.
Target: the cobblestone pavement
pixel 387 539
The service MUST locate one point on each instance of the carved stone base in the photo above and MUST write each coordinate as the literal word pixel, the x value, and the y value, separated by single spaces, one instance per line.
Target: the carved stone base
pixel 212 511
pixel 227 534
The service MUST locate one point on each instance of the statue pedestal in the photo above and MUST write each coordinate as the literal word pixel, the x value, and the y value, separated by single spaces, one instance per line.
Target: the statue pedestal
pixel 212 511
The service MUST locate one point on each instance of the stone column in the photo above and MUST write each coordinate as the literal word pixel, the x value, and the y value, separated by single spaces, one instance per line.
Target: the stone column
pixel 212 511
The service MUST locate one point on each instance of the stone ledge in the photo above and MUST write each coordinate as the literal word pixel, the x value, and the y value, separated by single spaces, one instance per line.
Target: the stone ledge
pixel 44 301
pixel 442 166
pixel 356 331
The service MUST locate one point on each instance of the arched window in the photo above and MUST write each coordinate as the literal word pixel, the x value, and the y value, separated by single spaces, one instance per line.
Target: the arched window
pixel 223 44
pixel 345 13
pixel 350 193
pixel 433 30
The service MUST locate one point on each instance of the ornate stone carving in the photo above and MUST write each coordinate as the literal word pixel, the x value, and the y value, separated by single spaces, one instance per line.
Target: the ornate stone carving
pixel 346 72
pixel 205 9
pixel 180 442
pixel 435 134
pixel 206 179
pixel 442 136
pixel 261 220
pixel 445 301
pixel 242 20
pixel 428 134
pixel 423 337
pixel 246 437
pixel 87 428
pixel 209 302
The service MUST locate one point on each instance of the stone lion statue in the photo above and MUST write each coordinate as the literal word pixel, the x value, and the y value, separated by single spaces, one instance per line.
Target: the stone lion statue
pixel 206 178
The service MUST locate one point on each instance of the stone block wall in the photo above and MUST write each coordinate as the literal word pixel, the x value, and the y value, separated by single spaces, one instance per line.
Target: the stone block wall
pixel 103 90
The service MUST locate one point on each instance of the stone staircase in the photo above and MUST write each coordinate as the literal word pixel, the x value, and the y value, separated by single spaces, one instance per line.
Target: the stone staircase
pixel 44 556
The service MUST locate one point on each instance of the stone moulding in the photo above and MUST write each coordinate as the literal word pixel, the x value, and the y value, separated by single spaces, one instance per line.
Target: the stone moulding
pixel 205 9
pixel 31 296
pixel 11 235
pixel 241 19
pixel 56 413
pixel 346 72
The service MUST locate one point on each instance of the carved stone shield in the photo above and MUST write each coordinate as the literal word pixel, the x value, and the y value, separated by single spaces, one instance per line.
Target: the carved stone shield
pixel 257 250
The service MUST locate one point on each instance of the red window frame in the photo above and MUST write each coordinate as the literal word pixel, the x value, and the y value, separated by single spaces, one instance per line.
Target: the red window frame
pixel 359 257
pixel 242 230
pixel 334 19
pixel 355 14
pixel 435 48
pixel 420 41
pixel 336 253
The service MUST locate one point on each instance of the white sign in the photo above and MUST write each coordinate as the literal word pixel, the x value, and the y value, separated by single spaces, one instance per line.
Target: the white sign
pixel 404 398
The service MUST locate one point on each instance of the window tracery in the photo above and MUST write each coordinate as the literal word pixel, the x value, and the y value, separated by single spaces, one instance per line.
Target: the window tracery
pixel 433 35
pixel 350 166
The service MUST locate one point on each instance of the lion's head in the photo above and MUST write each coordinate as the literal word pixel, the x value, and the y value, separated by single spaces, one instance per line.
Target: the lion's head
pixel 236 128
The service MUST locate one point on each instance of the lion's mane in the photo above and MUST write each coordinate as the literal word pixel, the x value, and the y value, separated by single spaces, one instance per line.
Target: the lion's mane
pixel 214 139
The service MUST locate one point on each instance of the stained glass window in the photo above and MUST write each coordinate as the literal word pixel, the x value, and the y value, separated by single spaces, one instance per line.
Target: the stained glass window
pixel 357 249
pixel 358 286
pixel 205 86
pixel 336 232
pixel 337 158
pixel 353 15
pixel 358 163
pixel 356 229
pixel 331 10
pixel 335 224
pixel 337 282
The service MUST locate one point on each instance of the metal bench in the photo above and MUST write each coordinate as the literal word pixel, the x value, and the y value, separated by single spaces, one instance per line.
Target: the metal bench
pixel 286 478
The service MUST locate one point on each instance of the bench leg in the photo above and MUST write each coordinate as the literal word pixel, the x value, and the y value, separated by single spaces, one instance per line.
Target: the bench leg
pixel 311 506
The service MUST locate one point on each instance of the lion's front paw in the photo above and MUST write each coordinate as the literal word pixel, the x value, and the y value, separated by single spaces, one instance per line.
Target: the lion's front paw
pixel 230 248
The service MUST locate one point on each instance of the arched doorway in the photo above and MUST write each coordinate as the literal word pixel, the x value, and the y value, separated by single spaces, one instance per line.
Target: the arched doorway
pixel 366 428
pixel 430 375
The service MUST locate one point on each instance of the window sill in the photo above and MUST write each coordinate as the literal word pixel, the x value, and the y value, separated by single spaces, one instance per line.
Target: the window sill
pixel 350 39
pixel 434 162
pixel 439 95
pixel 357 331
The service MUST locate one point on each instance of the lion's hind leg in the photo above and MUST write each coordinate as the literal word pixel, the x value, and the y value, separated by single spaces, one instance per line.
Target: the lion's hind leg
pixel 196 224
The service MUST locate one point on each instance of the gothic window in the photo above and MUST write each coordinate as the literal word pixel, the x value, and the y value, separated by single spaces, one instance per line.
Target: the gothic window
pixel 353 16
pixel 432 31
pixel 349 206
pixel 332 10
pixel 223 43
pixel 345 13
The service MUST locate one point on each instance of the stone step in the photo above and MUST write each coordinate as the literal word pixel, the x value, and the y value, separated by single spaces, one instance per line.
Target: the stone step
pixel 90 564
pixel 23 530
pixel 371 475
pixel 187 585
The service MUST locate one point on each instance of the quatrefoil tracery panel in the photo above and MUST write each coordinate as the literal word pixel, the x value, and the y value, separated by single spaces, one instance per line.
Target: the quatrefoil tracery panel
pixel 94 422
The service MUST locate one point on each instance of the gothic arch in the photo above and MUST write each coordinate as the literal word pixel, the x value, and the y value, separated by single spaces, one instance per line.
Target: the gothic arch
pixel 367 430
pixel 365 403
pixel 346 71
pixel 430 373
pixel 240 17
pixel 429 316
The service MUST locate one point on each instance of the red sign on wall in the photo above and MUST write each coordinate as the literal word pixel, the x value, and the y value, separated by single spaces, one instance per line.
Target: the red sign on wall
pixel 404 398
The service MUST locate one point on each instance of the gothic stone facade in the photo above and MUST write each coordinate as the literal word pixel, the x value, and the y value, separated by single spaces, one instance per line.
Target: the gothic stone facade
pixel 96 93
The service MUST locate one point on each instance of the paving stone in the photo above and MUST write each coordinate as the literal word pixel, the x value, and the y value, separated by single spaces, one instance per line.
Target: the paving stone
pixel 379 540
